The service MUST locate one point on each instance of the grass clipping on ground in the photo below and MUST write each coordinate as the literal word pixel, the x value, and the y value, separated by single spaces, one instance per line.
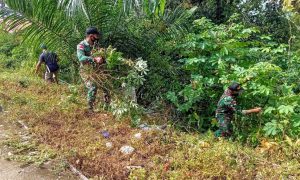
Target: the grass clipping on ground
pixel 61 122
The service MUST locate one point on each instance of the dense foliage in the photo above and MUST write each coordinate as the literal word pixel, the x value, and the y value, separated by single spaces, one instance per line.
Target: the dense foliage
pixel 216 55
pixel 192 54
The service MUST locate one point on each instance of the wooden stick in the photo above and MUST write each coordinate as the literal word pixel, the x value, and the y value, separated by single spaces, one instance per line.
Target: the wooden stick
pixel 23 125
pixel 77 172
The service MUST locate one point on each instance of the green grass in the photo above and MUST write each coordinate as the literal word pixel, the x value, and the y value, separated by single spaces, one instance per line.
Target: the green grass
pixel 28 152
pixel 58 120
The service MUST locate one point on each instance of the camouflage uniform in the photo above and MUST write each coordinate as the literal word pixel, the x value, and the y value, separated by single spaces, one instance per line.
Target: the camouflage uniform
pixel 226 109
pixel 86 68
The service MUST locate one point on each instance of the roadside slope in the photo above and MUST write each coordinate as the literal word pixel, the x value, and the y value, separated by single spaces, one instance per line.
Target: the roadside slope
pixel 56 118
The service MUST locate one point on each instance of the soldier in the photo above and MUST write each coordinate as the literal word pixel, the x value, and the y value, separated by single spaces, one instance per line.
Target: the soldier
pixel 226 109
pixel 88 63
pixel 50 60
pixel 2 5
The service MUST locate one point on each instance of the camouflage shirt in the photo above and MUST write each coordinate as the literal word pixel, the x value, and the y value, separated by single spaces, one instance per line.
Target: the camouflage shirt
pixel 227 105
pixel 84 54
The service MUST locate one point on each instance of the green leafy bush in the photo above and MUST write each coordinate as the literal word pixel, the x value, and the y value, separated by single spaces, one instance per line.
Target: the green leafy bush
pixel 215 55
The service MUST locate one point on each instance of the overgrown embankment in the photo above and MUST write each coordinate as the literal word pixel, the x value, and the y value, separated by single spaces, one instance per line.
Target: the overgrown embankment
pixel 57 118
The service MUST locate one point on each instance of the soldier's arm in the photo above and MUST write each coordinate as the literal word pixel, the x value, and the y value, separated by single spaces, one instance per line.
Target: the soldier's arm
pixel 254 110
pixel 232 105
pixel 38 65
pixel 81 55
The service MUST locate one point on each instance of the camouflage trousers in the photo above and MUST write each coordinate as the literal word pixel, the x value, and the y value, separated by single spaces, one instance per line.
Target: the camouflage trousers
pixel 225 126
pixel 91 87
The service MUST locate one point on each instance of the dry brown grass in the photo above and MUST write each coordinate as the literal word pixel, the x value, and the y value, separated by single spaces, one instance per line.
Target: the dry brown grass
pixel 77 134
pixel 66 127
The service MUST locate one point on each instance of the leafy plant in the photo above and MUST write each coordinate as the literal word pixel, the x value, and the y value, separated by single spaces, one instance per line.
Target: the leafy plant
pixel 214 56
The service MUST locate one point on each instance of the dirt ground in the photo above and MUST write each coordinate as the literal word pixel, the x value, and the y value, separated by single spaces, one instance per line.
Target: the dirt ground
pixel 10 170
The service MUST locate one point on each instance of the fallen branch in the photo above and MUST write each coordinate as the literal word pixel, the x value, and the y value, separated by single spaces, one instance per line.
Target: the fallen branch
pixel 77 172
pixel 23 124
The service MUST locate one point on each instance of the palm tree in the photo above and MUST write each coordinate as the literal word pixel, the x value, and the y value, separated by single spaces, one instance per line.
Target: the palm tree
pixel 61 23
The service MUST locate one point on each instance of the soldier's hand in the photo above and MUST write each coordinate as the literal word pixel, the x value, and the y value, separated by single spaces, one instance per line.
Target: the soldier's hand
pixel 258 109
pixel 254 110
pixel 99 60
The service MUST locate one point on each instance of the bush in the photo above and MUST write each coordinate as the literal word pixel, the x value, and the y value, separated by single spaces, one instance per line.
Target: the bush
pixel 215 55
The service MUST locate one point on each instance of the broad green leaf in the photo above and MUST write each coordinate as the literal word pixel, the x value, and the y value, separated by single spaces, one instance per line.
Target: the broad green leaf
pixel 269 110
pixel 286 109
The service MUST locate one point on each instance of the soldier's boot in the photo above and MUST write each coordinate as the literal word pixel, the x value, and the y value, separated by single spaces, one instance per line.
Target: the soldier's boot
pixel 106 97
pixel 90 106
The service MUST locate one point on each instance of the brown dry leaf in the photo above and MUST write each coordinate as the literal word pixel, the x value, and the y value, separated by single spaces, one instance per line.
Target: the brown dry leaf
pixel 204 144
pixel 289 141
pixel 297 143
pixel 267 146
pixel 167 166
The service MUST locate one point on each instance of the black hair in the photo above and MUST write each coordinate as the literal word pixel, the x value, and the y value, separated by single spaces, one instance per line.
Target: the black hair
pixel 92 30
pixel 43 46
pixel 235 86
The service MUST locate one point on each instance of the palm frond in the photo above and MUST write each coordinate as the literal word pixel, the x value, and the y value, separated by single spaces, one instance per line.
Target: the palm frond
pixel 62 24
pixel 142 7
pixel 40 26
pixel 72 7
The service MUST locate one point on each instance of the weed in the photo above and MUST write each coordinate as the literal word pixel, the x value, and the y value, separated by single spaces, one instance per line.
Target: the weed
pixel 29 152
pixel 65 129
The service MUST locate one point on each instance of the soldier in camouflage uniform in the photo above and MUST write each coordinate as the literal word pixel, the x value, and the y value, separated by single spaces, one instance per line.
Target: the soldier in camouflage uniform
pixel 88 63
pixel 227 108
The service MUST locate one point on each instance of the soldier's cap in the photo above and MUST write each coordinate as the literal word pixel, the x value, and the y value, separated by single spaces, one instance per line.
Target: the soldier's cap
pixel 92 30
pixel 236 87
pixel 43 46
